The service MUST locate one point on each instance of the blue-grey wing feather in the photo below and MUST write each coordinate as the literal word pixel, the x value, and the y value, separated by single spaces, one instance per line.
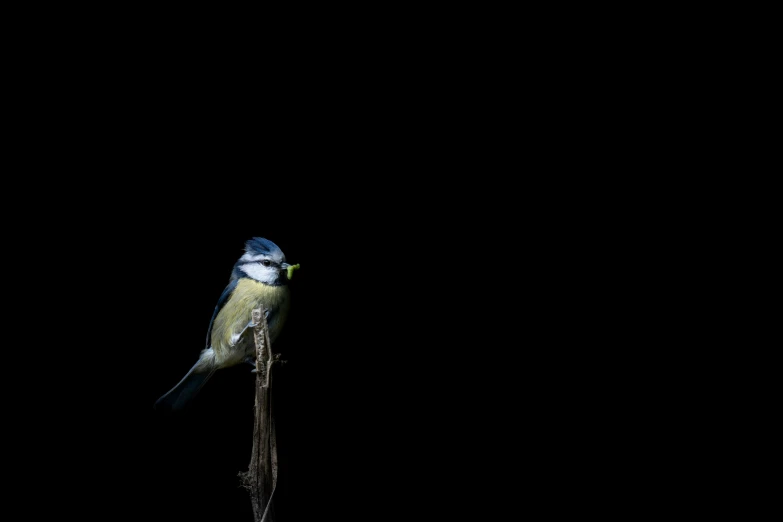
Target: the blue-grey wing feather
pixel 221 301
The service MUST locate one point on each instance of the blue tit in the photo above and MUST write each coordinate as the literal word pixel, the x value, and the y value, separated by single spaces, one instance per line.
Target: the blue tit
pixel 259 279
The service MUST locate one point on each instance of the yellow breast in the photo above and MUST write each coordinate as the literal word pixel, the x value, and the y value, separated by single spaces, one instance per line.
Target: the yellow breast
pixel 236 313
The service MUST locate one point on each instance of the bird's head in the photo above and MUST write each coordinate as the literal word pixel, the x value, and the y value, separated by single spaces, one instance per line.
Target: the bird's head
pixel 263 261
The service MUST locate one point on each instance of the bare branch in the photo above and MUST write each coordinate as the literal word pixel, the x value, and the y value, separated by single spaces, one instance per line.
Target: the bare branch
pixel 261 477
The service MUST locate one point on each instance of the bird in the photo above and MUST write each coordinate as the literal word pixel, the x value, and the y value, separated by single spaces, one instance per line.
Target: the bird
pixel 258 279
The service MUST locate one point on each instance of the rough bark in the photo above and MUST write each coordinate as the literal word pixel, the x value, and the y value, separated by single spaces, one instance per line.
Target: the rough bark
pixel 261 477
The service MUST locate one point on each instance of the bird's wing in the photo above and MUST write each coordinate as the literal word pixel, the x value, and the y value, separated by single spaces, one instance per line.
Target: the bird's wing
pixel 220 303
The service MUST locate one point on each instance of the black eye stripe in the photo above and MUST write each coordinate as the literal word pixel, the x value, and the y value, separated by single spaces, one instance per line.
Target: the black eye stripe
pixel 260 262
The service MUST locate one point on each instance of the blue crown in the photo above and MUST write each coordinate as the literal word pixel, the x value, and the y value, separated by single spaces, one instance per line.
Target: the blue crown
pixel 259 245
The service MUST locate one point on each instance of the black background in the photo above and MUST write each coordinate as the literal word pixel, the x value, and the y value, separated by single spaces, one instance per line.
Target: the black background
pixel 430 348
pixel 422 377
pixel 436 346
pixel 389 395
pixel 378 408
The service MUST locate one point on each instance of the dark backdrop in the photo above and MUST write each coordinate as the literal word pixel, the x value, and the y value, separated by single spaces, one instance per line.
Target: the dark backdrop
pixel 409 388
pixel 436 340
pixel 377 405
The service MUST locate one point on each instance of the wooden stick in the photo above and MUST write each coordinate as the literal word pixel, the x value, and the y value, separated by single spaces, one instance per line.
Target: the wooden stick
pixel 261 477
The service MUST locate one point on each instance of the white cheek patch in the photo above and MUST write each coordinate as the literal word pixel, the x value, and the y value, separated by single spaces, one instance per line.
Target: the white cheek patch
pixel 260 273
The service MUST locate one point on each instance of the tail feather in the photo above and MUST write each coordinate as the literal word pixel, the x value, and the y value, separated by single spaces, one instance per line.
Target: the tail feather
pixel 177 397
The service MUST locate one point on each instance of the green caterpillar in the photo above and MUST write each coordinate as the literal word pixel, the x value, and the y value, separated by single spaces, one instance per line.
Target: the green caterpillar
pixel 291 269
